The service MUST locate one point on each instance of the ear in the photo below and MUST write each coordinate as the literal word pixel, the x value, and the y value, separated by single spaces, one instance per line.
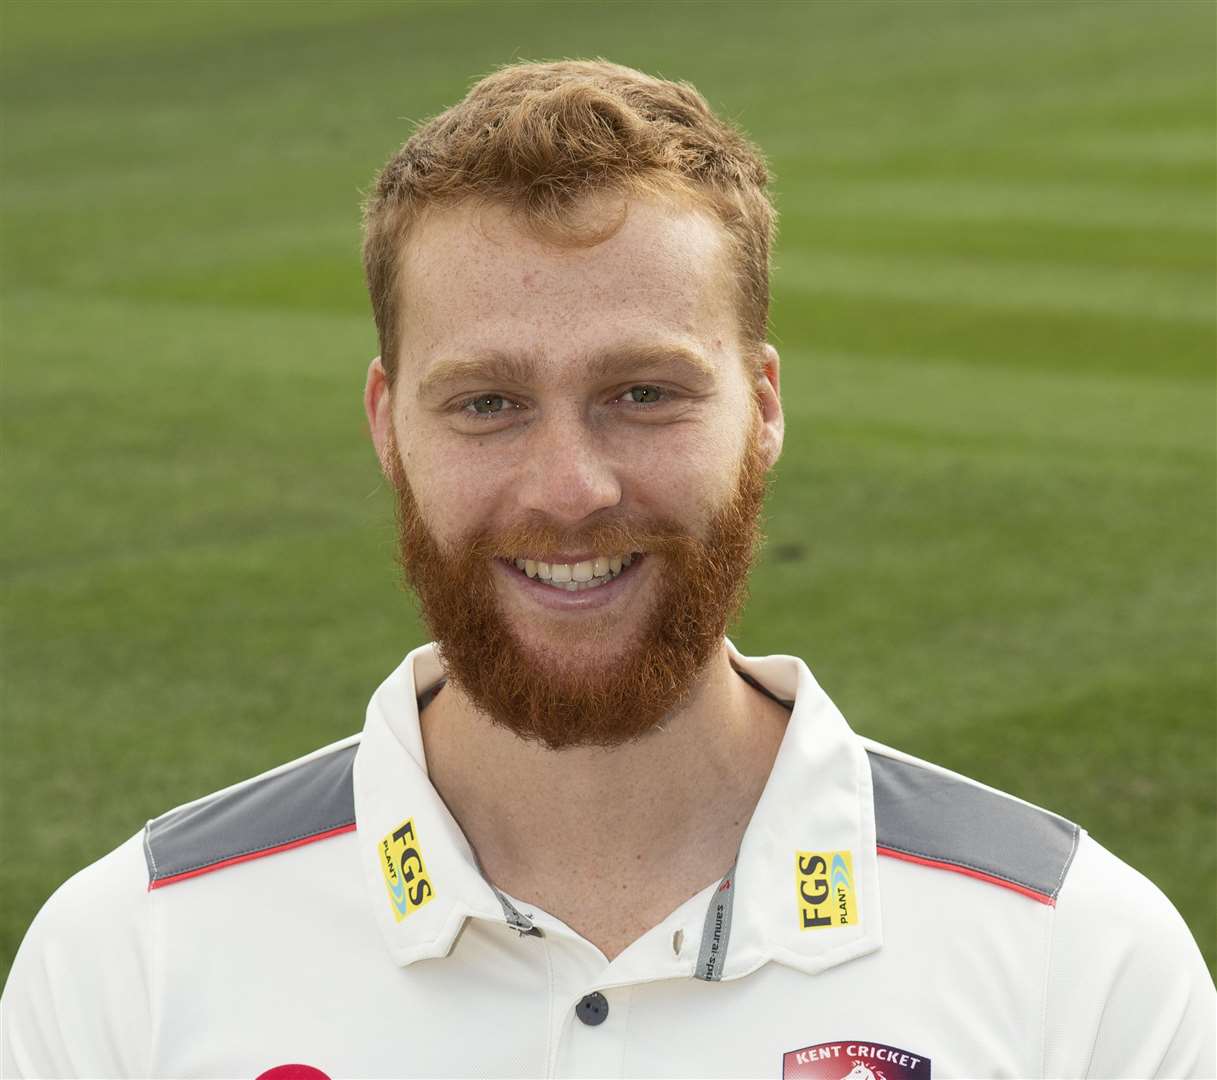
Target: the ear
pixel 767 389
pixel 378 406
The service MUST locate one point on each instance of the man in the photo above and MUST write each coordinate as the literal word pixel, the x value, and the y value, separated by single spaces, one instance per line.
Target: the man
pixel 581 834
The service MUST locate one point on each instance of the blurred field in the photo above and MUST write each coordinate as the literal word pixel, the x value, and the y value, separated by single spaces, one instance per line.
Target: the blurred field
pixel 992 534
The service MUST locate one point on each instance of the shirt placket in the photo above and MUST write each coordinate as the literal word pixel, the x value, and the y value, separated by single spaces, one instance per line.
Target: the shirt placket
pixel 588 1026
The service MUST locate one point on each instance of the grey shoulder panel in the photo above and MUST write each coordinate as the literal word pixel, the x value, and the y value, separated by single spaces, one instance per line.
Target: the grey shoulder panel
pixel 925 816
pixel 310 801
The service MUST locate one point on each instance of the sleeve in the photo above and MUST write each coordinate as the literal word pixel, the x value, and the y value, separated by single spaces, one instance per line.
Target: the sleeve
pixel 79 1001
pixel 1128 992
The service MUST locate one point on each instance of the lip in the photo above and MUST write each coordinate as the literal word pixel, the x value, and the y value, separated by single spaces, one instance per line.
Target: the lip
pixel 585 600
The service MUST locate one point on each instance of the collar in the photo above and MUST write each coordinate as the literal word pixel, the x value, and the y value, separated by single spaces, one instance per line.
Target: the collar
pixel 425 882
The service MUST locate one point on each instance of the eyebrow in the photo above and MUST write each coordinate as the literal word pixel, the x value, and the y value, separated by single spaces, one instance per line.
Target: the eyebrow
pixel 495 366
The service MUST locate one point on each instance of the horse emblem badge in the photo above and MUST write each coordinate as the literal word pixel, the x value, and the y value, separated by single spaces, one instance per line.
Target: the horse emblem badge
pixel 854 1060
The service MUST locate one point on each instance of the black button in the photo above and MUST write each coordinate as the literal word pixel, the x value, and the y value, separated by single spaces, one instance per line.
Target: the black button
pixel 593 1009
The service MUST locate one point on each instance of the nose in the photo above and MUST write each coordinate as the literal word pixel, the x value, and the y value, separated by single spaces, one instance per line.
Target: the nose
pixel 568 474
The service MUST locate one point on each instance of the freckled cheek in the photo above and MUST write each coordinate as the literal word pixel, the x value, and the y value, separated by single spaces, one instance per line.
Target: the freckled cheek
pixel 683 483
pixel 460 499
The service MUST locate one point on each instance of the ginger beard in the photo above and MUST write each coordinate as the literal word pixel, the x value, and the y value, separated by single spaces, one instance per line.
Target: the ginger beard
pixel 563 699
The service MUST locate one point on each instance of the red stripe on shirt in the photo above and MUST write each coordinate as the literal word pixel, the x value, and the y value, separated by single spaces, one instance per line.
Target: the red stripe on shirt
pixel 159 882
pixel 1043 898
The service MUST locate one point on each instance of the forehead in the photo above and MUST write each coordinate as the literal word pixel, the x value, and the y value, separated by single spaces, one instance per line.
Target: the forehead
pixel 474 279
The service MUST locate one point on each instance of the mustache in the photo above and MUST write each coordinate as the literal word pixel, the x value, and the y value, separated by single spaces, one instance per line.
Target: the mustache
pixel 611 538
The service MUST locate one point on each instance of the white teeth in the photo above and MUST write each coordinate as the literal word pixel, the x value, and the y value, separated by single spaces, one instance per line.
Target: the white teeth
pixel 575 577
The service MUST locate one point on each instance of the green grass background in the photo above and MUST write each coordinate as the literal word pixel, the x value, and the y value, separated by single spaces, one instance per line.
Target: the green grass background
pixel 992 532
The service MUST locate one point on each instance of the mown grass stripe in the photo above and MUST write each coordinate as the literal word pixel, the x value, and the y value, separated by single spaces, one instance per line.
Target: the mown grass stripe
pixel 1169 296
pixel 951 200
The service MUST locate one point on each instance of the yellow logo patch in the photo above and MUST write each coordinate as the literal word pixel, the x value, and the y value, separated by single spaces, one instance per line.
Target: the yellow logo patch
pixel 824 882
pixel 405 873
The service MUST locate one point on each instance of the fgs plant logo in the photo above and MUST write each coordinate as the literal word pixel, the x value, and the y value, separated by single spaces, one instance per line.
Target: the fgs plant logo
pixel 825 884
pixel 405 873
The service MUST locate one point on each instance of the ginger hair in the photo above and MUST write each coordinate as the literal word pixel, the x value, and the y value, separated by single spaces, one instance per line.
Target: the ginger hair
pixel 540 139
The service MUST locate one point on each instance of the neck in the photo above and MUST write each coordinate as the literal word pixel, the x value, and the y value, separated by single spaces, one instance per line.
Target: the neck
pixel 674 802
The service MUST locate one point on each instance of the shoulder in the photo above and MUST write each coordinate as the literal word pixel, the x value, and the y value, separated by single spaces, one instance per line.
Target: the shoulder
pixel 84 988
pixel 84 969
pixel 1125 989
pixel 1126 974
pixel 929 815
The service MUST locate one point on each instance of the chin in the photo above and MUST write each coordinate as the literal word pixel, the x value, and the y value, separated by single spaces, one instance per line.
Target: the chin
pixel 563 653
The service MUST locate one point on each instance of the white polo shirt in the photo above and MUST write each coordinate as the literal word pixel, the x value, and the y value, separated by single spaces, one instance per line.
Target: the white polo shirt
pixel 885 919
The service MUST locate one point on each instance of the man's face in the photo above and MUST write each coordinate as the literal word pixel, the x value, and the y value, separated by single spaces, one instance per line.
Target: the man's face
pixel 567 407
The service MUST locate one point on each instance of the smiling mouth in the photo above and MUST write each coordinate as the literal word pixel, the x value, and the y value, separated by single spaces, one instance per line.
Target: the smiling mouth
pixel 577 577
